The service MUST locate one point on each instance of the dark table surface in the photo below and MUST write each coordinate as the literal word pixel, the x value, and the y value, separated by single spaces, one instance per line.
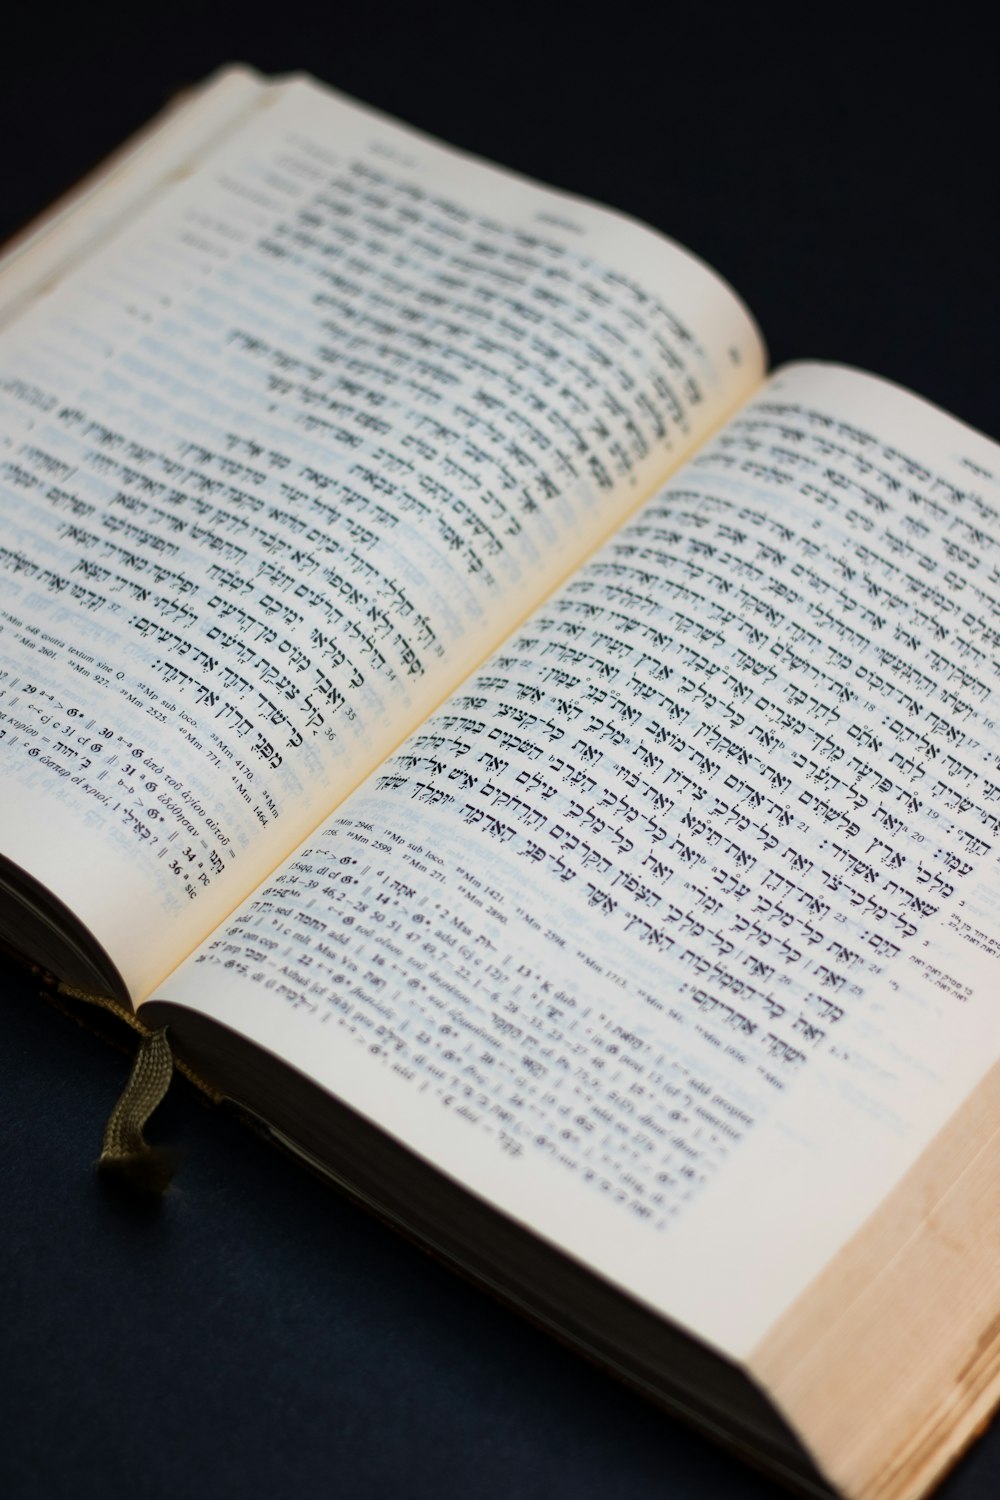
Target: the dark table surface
pixel 257 1335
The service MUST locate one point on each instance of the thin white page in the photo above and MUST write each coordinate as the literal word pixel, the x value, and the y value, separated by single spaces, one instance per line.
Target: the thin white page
pixel 281 463
pixel 675 934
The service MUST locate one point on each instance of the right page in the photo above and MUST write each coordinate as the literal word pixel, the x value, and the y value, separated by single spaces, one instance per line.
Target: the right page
pixel 674 933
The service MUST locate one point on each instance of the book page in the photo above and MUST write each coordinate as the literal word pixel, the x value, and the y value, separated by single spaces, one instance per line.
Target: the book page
pixel 675 932
pixel 281 462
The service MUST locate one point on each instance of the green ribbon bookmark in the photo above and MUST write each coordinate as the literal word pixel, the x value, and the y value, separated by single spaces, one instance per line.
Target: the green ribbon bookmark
pixel 126 1155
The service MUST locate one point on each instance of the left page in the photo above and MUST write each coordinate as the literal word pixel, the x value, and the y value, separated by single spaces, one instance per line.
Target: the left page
pixel 288 452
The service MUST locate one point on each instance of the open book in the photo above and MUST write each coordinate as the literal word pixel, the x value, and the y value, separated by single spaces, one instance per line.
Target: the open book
pixel 541 767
